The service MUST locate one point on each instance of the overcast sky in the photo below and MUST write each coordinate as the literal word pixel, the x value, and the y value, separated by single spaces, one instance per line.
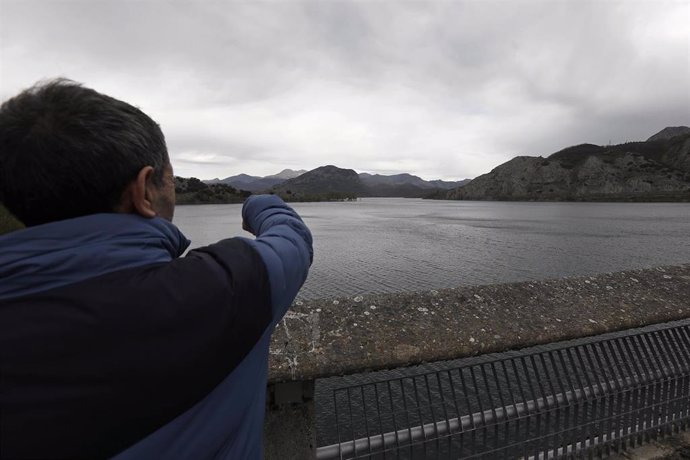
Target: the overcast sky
pixel 439 89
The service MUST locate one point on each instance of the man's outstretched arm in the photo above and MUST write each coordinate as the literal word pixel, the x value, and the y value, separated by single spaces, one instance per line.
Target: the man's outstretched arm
pixel 284 243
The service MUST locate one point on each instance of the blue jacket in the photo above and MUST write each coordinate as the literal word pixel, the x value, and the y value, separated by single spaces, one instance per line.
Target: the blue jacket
pixel 111 344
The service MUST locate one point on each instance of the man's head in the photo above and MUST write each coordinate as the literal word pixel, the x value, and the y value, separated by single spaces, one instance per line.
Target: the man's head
pixel 68 151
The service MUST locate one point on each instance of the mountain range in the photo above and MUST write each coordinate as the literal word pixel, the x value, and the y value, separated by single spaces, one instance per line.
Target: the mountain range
pixel 657 169
pixel 331 179
pixel 257 183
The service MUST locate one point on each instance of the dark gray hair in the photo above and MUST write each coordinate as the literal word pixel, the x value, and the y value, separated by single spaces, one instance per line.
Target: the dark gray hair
pixel 68 151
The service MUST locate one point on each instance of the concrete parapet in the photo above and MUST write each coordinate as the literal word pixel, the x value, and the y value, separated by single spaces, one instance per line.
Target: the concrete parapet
pixel 337 336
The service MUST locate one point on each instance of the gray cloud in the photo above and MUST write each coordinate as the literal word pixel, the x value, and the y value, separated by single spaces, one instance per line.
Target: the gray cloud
pixel 440 89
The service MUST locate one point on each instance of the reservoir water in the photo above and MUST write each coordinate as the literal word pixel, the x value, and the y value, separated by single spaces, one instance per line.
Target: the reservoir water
pixel 378 245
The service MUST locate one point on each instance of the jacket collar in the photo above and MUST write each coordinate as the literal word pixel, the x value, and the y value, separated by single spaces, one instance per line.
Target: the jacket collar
pixel 65 252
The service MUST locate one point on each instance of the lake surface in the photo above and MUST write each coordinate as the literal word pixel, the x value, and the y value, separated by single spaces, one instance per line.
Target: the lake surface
pixel 378 245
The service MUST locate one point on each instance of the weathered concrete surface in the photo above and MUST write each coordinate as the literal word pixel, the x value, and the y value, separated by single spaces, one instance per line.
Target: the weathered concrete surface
pixel 675 447
pixel 346 335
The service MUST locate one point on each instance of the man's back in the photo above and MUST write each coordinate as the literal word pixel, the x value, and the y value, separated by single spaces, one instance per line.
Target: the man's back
pixel 113 344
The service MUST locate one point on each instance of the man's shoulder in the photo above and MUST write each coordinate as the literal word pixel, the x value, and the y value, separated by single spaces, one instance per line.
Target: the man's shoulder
pixel 230 272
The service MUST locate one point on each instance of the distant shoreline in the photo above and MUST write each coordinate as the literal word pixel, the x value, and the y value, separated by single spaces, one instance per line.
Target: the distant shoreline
pixel 596 199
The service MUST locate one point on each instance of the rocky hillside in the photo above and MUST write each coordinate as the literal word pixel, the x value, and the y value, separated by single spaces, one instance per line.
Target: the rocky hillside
pixel 655 170
pixel 668 133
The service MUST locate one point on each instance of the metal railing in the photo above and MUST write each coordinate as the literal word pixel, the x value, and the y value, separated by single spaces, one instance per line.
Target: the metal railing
pixel 583 398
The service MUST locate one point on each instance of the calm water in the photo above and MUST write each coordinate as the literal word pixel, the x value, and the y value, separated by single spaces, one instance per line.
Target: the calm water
pixel 396 244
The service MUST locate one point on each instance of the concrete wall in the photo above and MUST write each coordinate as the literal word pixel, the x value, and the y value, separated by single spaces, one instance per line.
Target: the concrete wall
pixel 338 336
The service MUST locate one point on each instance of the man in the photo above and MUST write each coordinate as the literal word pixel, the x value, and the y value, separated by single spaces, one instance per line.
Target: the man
pixel 111 343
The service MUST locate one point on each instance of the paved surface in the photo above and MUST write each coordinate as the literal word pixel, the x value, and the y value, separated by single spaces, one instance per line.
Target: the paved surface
pixel 339 336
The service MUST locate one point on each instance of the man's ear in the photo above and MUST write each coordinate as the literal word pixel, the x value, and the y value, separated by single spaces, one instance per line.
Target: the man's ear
pixel 138 196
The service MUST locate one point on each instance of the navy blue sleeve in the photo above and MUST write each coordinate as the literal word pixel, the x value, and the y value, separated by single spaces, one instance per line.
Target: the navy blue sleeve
pixel 285 245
